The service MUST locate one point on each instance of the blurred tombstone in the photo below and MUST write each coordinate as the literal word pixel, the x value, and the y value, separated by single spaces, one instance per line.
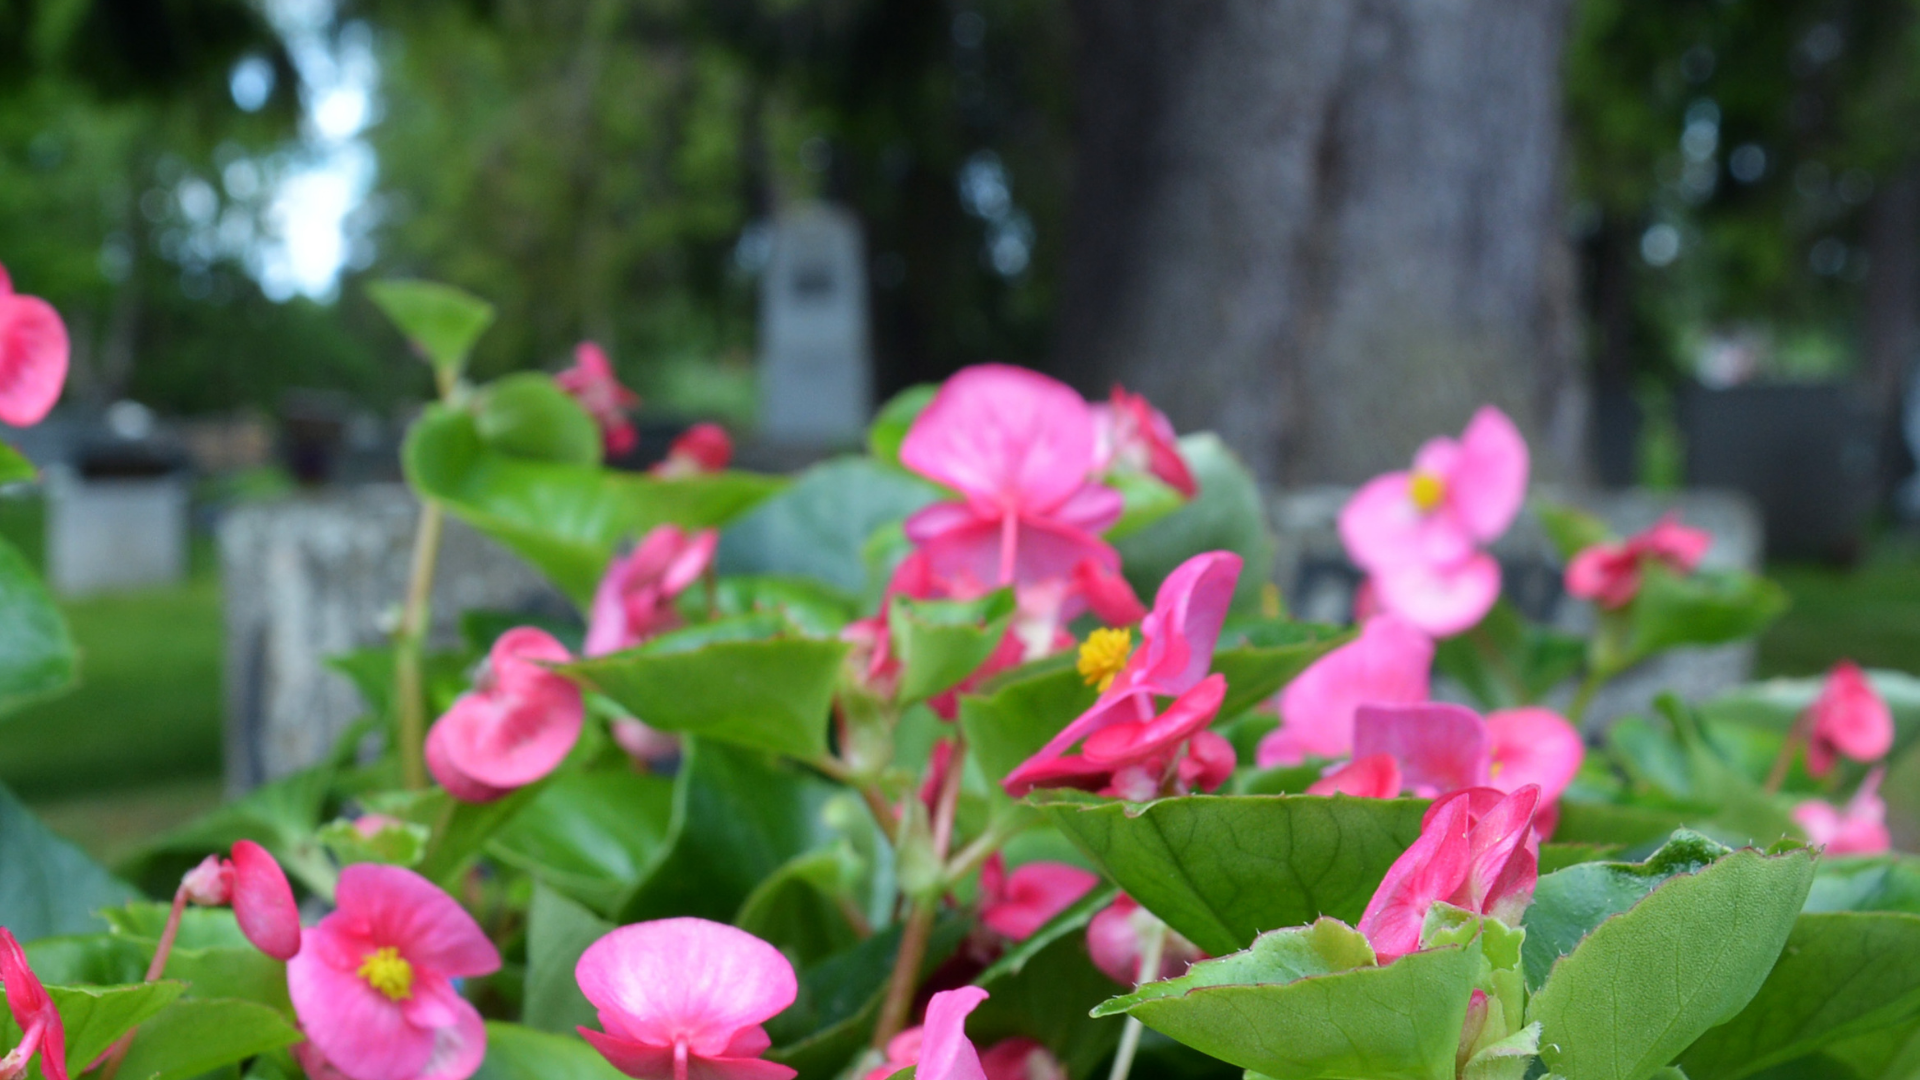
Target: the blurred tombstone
pixel 323 574
pixel 312 433
pixel 117 515
pixel 815 369
pixel 227 444
pixel 1318 581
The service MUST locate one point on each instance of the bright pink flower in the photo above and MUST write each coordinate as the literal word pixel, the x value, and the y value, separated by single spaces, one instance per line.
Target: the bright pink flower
pixel 1021 1059
pixel 592 382
pixel 635 599
pixel 314 1063
pixel 517 724
pixel 1609 574
pixel 1128 747
pixel 32 1008
pixel 1477 850
pixel 685 998
pixel 1376 776
pixel 1858 829
pixel 1388 664
pixel 1419 533
pixel 1116 938
pixel 373 983
pixel 33 356
pixel 1849 717
pixel 1017 904
pixel 1107 594
pixel 1131 433
pixel 703 448
pixel 254 884
pixel 1441 747
pixel 1018 447
pixel 940 1047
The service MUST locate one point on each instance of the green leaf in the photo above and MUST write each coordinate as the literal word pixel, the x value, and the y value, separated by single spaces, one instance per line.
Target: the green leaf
pixel 1840 975
pixel 441 321
pixel 399 844
pixel 1221 869
pixel 839 1000
pixel 1873 883
pixel 890 427
pixel 558 931
pixel 565 519
pixel 941 642
pixel 527 415
pixel 1144 500
pixel 797 909
pixel 210 955
pixel 192 1037
pixel 1013 719
pixel 1308 1002
pixel 1570 529
pixel 818 527
pixel 1044 988
pixel 1278 652
pixel 48 886
pixel 812 607
pixel 36 651
pixel 280 816
pixel 96 1016
pixel 1569 903
pixel 521 1053
pixel 1507 661
pixel 1704 608
pixel 1647 982
pixel 590 835
pixel 460 829
pixel 738 816
pixel 765 695
pixel 14 467
pixel 1228 514
pixel 88 960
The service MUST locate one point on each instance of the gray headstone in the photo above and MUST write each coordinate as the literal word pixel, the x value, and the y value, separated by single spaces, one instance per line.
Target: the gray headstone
pixel 323 574
pixel 816 380
pixel 104 535
pixel 1318 580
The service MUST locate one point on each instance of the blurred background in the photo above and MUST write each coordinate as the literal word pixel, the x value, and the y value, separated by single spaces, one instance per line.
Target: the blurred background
pixel 1678 241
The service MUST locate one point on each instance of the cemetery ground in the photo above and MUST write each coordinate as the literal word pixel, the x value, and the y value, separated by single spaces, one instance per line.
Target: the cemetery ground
pixel 135 749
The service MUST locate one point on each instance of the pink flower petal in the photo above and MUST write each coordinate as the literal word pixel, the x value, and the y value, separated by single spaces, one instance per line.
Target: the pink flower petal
pixel 1429 870
pixel 396 906
pixel 1488 481
pixel 1109 595
pixel 1376 776
pixel 32 1007
pixel 945 1051
pixel 1440 747
pixel 34 352
pixel 263 902
pixel 357 1028
pixel 1179 634
pixel 513 730
pixel 1093 509
pixel 1033 894
pixel 688 979
pixel 1607 574
pixel 1005 435
pixel 1388 664
pixel 1851 717
pixel 1383 530
pixel 1533 746
pixel 1021 1059
pixel 1442 602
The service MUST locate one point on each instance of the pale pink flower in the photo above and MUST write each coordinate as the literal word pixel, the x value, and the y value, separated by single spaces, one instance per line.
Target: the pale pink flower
pixel 939 1048
pixel 1116 940
pixel 592 382
pixel 703 448
pixel 1130 433
pixel 1849 718
pixel 33 356
pixel 254 884
pixel 1859 828
pixel 33 1010
pixel 373 984
pixel 517 724
pixel 1390 663
pixel 635 598
pixel 1419 534
pixel 1609 574
pixel 1017 904
pixel 683 999
pixel 1477 850
pixel 1441 747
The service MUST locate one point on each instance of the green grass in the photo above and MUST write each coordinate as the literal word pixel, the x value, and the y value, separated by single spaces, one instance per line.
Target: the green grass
pixel 1870 614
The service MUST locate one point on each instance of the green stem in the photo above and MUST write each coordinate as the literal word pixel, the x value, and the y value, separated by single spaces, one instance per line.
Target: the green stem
pixel 409 692
pixel 1783 762
pixel 1150 952
pixel 1583 697
pixel 1497 660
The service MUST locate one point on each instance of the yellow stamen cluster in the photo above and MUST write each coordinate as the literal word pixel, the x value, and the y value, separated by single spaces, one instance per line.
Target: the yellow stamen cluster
pixel 1426 490
pixel 1103 655
pixel 387 972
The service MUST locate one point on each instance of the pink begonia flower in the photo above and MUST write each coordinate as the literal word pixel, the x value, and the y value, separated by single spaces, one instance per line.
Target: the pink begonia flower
pixel 1477 850
pixel 1116 939
pixel 1860 828
pixel 1130 432
pixel 517 724
pixel 33 356
pixel 634 600
pixel 703 448
pixel 683 999
pixel 1128 747
pixel 1017 904
pixel 1376 776
pixel 1018 447
pixel 254 884
pixel 32 1009
pixel 939 1048
pixel 1419 533
pixel 1849 717
pixel 1609 574
pixel 373 982
pixel 1021 1059
pixel 594 385
pixel 1108 595
pixel 1442 747
pixel 1390 663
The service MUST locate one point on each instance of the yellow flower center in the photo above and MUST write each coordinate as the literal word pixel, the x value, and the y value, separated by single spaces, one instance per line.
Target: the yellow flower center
pixel 1426 490
pixel 1103 655
pixel 386 972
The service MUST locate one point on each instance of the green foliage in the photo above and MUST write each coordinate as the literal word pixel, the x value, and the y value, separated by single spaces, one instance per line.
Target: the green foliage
pixel 50 887
pixel 1507 660
pixel 891 423
pixel 818 527
pixel 1671 610
pixel 941 642
pixel 440 321
pixel 36 652
pixel 1227 515
pixel 529 416
pixel 589 835
pixel 558 931
pixel 14 466
pixel 96 1016
pixel 522 1053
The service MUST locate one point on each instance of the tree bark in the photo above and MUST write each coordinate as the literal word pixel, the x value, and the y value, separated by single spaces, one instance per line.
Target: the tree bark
pixel 1326 230
pixel 1891 335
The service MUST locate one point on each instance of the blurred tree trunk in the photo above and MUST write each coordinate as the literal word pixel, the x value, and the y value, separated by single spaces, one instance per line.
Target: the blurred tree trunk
pixel 1892 330
pixel 1328 230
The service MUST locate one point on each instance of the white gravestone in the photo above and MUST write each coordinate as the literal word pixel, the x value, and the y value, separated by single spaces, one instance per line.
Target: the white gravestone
pixel 816 378
pixel 112 534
